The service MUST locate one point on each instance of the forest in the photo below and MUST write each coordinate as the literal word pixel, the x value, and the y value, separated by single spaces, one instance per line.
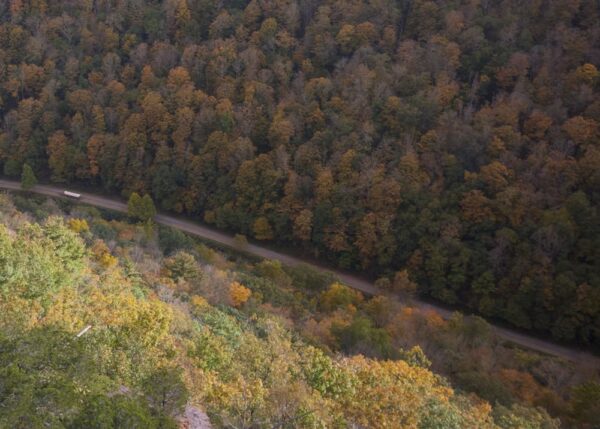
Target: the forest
pixel 451 144
pixel 174 326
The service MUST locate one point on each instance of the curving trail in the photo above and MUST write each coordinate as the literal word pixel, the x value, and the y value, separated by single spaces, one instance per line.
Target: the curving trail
pixel 355 282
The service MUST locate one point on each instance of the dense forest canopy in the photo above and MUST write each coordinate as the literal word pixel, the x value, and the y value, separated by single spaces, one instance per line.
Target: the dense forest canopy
pixel 456 139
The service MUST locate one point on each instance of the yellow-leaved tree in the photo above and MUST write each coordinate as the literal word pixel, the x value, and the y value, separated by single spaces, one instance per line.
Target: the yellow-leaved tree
pixel 238 294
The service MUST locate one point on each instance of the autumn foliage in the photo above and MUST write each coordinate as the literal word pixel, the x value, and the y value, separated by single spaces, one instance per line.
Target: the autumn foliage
pixel 178 329
pixel 238 294
pixel 456 140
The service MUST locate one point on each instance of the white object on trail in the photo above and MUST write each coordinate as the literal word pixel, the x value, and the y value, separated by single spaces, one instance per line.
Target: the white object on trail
pixel 72 194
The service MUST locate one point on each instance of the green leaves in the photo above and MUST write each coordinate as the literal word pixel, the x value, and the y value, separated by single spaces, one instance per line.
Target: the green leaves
pixel 28 179
pixel 141 208
pixel 39 261
pixel 49 378
pixel 361 337
pixel 115 411
pixel 325 375
pixel 42 372
pixel 212 353
pixel 144 358
pixel 183 266
pixel 165 391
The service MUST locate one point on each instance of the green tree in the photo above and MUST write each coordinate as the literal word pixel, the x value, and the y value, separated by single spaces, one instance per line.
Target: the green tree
pixel 240 241
pixel 262 229
pixel 273 270
pixel 134 205
pixel 141 208
pixel 415 357
pixel 28 179
pixel 38 261
pixel 149 207
pixel 166 392
pixel 325 375
pixel 32 397
pixel 339 296
pixel 438 414
pixel 102 411
pixel 361 337
pixel 182 265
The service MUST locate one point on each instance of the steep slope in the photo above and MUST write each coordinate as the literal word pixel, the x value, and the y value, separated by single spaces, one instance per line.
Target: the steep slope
pixel 153 347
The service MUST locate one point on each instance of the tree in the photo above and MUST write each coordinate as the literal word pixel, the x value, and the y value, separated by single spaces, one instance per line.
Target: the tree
pixel 262 229
pixel 362 337
pixel 325 375
pixel 257 184
pixel 273 270
pixel 415 357
pixel 40 260
pixel 581 130
pixel 238 294
pixel 240 242
pixel 303 225
pixel 166 392
pixel 149 208
pixel 182 265
pixel 403 285
pixel 483 287
pixel 380 310
pixel 101 411
pixel 134 206
pixel 366 238
pixel 537 124
pixel 28 179
pixel 141 208
pixel 79 225
pixel 339 296
pixel 495 175
pixel 59 157
pixel 476 207
pixel 347 39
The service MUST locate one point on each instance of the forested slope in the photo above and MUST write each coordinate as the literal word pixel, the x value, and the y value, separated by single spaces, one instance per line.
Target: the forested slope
pixel 457 139
pixel 170 332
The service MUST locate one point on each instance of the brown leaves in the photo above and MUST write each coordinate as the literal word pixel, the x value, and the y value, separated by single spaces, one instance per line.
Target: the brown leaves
pixel 476 207
pixel 581 130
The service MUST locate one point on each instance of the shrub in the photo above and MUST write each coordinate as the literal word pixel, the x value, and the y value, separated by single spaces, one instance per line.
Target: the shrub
pixel 170 240
pixel 102 229
pixel 338 296
pixel 273 270
pixel 361 337
pixel 240 241
pixel 306 277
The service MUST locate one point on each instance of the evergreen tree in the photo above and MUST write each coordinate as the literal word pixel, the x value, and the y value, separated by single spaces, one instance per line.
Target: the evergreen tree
pixel 141 208
pixel 134 206
pixel 148 207
pixel 28 179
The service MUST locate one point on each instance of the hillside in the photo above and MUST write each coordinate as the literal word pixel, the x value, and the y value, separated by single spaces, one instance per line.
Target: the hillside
pixel 252 343
pixel 455 139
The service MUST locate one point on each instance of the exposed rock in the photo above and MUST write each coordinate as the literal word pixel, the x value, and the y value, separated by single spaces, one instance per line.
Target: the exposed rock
pixel 194 418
